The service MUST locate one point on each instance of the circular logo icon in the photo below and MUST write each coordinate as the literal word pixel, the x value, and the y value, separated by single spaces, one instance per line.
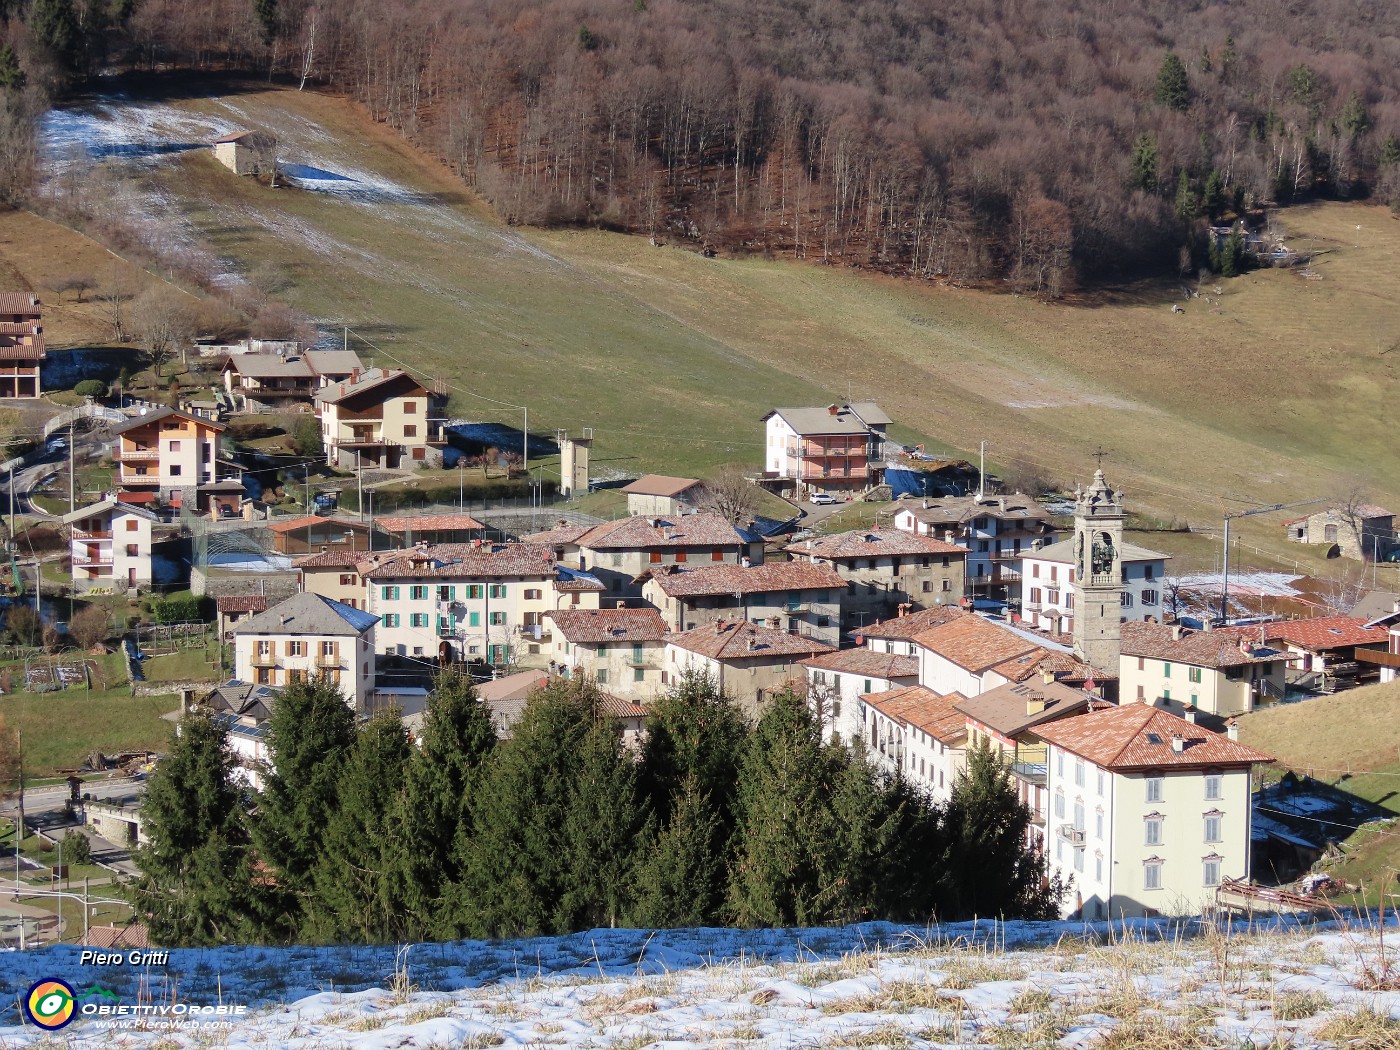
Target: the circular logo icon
pixel 50 1003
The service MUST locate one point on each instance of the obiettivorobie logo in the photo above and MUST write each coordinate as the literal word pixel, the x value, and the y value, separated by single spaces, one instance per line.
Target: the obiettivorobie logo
pixel 50 1004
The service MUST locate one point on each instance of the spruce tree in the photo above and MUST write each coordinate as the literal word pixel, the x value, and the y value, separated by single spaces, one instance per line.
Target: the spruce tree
pixel 55 26
pixel 874 874
pixel 310 733
pixel 12 77
pixel 196 886
pixel 1173 87
pixel 1356 117
pixel 1213 196
pixel 352 897
pixel 989 869
pixel 1232 253
pixel 1229 59
pixel 680 880
pixel 517 858
pixel 442 776
pixel 693 731
pixel 266 10
pixel 786 844
pixel 1145 163
pixel 1186 203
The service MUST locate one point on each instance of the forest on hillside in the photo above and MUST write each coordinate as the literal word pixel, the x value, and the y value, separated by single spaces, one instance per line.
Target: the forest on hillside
pixel 1046 143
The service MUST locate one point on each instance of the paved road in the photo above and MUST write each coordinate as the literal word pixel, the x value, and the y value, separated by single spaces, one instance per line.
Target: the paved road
pixel 44 811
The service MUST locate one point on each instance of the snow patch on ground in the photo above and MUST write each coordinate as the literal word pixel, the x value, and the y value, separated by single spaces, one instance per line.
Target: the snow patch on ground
pixel 875 984
pixel 1253 584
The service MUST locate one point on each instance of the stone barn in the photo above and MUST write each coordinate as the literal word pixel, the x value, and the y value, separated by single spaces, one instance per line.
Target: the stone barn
pixel 247 152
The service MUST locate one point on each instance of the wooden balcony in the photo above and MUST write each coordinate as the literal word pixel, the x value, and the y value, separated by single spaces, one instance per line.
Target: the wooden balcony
pixel 267 659
pixel 137 455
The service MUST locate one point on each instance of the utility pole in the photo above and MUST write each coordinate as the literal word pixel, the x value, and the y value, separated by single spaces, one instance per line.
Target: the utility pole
pixel 360 480
pixel 72 472
pixel 981 471
pixel 525 445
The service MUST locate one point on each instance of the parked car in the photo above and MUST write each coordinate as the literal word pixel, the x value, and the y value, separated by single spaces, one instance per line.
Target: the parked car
pixel 822 499
pixel 325 501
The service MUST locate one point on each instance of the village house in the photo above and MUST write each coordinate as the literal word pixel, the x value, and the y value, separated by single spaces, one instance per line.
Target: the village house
pixel 1324 650
pixel 311 533
pixel 1047 586
pixel 839 449
pixel 1005 718
pixel 970 655
pixel 1375 603
pixel 897 635
pixel 174 455
pixel 277 380
pixel 1219 672
pixel 110 547
pixel 658 494
pixel 242 711
pixel 916 732
pixel 623 649
pixel 1362 531
pixel 837 681
pixel 306 636
pixel 333 574
pixel 884 570
pixel 994 530
pixel 1149 812
pixel 748 663
pixel 247 152
pixel 22 347
pixel 472 602
pixel 1388 660
pixel 380 419
pixel 797 597
pixel 620 552
pixel 233 609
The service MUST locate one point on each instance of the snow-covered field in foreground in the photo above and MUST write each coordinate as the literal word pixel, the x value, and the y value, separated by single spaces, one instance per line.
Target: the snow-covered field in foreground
pixel 1152 985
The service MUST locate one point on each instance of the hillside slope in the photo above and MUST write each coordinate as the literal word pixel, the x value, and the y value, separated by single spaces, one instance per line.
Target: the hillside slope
pixel 1268 392
pixel 1152 986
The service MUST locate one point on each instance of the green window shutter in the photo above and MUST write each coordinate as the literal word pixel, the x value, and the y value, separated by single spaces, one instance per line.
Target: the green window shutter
pixel 474 619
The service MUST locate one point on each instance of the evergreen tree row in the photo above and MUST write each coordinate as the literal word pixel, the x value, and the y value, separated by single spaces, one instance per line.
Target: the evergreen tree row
pixel 358 835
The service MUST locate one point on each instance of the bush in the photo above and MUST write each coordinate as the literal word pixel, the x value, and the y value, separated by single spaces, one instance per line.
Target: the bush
pixel 76 848
pixel 180 607
pixel 91 388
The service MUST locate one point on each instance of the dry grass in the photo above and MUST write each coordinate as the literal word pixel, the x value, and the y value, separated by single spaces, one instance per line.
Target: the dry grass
pixel 1155 1032
pixel 1363 1029
pixel 1353 730
pixel 1299 1006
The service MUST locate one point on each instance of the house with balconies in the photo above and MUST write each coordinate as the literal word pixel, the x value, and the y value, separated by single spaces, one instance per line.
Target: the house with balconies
pixel 381 419
pixel 22 346
pixel 308 636
pixel 110 546
pixel 917 733
pixel 472 602
pixel 623 649
pixel 1219 672
pixel 1149 813
pixel 795 596
pixel 1047 586
pixel 884 570
pixel 996 531
pixel 749 663
pixel 279 380
pixel 1324 652
pixel 839 449
pixel 173 454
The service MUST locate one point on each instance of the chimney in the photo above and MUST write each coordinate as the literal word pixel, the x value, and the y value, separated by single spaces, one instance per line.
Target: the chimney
pixel 1232 730
pixel 324 548
pixel 753 645
pixel 1190 714
pixel 1047 676
pixel 949 535
pixel 1208 625
pixel 354 376
pixel 1035 704
pixel 621 604
pixel 1176 632
pixel 744 561
pixel 1244 647
pixel 283 620
pixel 719 626
pixel 904 608
pixel 1178 743
pixel 833 410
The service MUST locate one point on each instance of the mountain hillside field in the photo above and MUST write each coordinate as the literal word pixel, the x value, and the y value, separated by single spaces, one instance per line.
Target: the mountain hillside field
pixel 1272 388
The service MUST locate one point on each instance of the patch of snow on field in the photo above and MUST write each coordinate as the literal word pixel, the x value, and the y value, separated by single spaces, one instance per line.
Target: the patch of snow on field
pixel 1254 584
pixel 875 984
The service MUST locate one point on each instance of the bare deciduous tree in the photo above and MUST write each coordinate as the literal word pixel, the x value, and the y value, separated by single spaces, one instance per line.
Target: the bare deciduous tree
pixel 729 493
pixel 1341 592
pixel 9 758
pixel 76 282
pixel 116 290
pixel 165 319
pixel 90 627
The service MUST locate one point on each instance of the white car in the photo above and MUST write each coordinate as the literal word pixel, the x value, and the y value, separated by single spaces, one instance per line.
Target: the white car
pixel 822 499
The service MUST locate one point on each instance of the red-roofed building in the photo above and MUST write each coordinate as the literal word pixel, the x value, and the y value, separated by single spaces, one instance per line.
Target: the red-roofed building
pixel 1325 645
pixel 1149 812
pixel 791 595
pixel 1220 672
pixel 432 528
pixel 836 682
pixel 623 649
pixel 917 732
pixel 22 349
pixel 887 571
pixel 748 662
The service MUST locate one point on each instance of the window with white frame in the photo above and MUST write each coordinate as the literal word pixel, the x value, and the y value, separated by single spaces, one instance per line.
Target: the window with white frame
pixel 1210 871
pixel 1099 781
pixel 1060 805
pixel 1098 867
pixel 1152 831
pixel 1154 789
pixel 1152 874
pixel 1079 815
pixel 1149 597
pixel 1079 772
pixel 1098 823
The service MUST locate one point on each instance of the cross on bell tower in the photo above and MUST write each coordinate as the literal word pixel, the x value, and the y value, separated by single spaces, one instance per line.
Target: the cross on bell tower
pixel 1098 572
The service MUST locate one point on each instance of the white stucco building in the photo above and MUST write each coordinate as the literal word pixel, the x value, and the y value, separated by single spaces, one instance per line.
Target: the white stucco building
pixel 110 546
pixel 308 636
pixel 836 682
pixel 1047 586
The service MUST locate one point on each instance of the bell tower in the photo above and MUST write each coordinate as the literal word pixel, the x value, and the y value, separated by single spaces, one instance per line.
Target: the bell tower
pixel 1098 574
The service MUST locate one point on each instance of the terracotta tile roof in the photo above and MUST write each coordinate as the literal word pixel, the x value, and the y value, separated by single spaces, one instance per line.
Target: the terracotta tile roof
pixel 594 626
pixel 459 561
pixel 430 523
pixel 975 644
pixel 644 532
pixel 913 624
pixel 1199 648
pixel 369 382
pixel 330 560
pixel 1006 709
pixel 22 342
pixel 559 536
pixel 872 544
pixel 1064 666
pixel 923 709
pixel 23 303
pixel 955 510
pixel 660 485
pixel 865 662
pixel 617 707
pixel 1315 633
pixel 240 603
pixel 736 640
pixel 681 581
pixel 134 936
pixel 1139 736
pixel 302 522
